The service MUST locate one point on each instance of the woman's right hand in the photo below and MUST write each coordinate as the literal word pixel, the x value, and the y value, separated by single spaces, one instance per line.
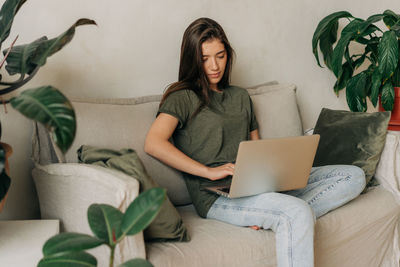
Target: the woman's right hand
pixel 220 172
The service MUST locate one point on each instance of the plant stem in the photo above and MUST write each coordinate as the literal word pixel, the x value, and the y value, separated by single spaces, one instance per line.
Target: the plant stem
pixel 8 52
pixel 112 256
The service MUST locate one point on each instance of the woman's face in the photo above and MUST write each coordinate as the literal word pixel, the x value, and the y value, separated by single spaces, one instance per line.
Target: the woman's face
pixel 214 61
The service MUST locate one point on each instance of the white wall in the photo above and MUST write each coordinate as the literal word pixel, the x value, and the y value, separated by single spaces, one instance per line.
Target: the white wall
pixel 134 51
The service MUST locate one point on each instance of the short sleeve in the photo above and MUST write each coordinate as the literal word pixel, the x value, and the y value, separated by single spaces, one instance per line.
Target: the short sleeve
pixel 253 119
pixel 179 105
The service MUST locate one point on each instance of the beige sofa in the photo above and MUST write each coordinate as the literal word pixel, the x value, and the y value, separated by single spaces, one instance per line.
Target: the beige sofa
pixel 362 233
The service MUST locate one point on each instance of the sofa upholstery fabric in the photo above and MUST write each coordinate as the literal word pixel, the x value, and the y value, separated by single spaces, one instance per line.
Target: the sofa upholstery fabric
pixel 355 224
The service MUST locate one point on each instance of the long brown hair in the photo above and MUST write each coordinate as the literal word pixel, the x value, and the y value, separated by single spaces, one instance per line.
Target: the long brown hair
pixel 191 73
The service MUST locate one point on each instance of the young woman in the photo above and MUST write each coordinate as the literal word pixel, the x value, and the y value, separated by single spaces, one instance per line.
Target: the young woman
pixel 207 119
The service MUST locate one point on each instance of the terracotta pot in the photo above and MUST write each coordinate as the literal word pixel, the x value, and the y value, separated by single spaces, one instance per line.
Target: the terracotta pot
pixel 8 150
pixel 394 123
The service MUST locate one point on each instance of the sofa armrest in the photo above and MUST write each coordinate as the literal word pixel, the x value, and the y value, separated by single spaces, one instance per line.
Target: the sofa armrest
pixel 66 190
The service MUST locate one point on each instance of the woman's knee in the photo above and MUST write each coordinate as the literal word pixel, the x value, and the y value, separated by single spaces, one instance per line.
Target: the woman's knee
pixel 357 178
pixel 300 210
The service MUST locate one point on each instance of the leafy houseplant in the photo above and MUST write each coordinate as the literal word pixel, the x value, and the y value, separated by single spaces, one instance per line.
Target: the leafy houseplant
pixel 381 51
pixel 44 104
pixel 110 226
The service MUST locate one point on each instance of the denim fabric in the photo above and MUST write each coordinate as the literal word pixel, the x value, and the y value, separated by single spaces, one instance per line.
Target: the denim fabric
pixel 291 215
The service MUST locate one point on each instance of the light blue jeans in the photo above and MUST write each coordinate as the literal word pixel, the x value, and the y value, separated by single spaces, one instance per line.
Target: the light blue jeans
pixel 291 215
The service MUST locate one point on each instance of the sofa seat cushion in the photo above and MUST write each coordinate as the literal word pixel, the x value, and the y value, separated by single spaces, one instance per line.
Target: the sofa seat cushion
pixel 214 243
pixel 344 237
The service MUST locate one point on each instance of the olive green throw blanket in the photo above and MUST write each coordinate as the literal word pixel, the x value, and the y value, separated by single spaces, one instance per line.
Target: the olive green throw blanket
pixel 168 225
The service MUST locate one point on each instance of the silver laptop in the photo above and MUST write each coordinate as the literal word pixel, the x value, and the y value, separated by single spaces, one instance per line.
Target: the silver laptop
pixel 271 165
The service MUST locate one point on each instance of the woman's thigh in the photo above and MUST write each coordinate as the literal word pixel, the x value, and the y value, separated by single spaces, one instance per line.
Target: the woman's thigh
pixel 264 210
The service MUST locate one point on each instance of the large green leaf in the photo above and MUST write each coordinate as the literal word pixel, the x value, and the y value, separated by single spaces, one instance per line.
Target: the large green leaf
pixel 325 29
pixel 345 75
pixel 25 58
pixel 387 96
pixel 390 18
pixel 370 20
pixel 105 222
pixel 72 259
pixel 356 92
pixel 326 41
pixel 142 211
pixel 50 107
pixel 49 47
pixel 7 13
pixel 136 263
pixel 376 85
pixel 388 51
pixel 18 58
pixel 349 32
pixel 68 242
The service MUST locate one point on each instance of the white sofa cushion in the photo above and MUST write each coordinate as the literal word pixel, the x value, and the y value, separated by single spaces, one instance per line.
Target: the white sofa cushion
pixel 67 190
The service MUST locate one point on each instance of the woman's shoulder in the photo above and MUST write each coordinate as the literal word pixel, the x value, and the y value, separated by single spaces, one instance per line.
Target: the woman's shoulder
pixel 233 89
pixel 183 95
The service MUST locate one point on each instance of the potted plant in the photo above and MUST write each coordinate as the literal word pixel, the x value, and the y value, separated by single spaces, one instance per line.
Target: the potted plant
pixel 109 226
pixel 44 104
pixel 380 76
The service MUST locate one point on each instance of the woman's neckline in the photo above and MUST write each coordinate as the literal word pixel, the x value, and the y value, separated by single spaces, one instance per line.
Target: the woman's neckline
pixel 219 91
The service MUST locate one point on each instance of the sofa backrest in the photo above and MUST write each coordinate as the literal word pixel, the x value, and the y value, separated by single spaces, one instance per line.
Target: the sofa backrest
pixel 123 123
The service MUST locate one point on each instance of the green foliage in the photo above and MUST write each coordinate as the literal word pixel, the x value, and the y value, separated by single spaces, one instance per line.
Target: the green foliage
pixel 141 213
pixel 7 13
pixel 110 226
pixel 69 259
pixel 326 30
pixel 105 222
pixel 381 49
pixel 70 242
pixel 44 104
pixel 356 92
pixel 4 179
pixel 50 107
pixel 136 263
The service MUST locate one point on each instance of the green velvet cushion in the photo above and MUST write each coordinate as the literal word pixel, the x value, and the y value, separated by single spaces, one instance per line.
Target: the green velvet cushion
pixel 168 225
pixel 353 138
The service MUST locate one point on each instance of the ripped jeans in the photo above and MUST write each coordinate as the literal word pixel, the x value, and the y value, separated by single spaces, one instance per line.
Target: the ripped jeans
pixel 291 214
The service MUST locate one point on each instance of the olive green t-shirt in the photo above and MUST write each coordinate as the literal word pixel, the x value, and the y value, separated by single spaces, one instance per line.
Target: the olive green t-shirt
pixel 212 136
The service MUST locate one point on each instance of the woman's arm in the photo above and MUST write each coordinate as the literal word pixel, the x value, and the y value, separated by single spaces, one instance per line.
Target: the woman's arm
pixel 158 146
pixel 255 135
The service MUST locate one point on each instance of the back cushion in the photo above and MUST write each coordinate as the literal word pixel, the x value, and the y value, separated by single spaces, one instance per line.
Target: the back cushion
pixel 276 110
pixel 123 123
